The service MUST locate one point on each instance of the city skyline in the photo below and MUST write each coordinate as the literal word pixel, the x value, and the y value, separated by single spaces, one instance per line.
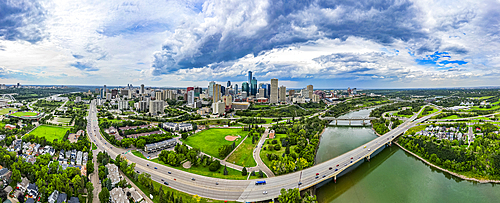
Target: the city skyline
pixel 384 45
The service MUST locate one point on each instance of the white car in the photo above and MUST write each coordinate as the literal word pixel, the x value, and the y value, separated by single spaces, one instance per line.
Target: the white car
pixel 264 192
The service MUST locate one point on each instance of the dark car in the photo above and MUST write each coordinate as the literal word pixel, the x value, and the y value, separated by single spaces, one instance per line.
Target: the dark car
pixel 156 168
pixel 169 172
pixel 165 183
pixel 324 176
pixel 317 174
pixel 352 157
pixel 338 165
pixel 216 183
pixel 336 169
pixel 161 179
pixel 193 179
pixel 137 171
pixel 330 168
pixel 300 183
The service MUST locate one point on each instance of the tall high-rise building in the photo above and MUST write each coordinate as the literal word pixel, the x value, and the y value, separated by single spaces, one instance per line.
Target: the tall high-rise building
pixel 211 89
pixel 156 106
pixel 235 89
pixel 197 91
pixel 222 90
pixel 249 77
pixel 310 91
pixel 190 97
pixel 189 89
pixel 105 91
pixel 273 97
pixel 245 88
pixel 141 91
pixel 216 90
pixel 268 89
pixel 263 86
pixel 282 94
pixel 122 105
pixel 159 96
pixel 253 86
pixel 261 93
pixel 228 84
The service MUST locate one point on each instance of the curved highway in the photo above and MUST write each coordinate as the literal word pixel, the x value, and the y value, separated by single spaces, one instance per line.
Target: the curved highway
pixel 246 190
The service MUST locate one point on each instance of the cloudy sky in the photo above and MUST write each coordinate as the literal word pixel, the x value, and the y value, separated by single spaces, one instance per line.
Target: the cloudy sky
pixel 330 44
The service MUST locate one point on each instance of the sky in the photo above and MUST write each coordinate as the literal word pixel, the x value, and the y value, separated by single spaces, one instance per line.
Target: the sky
pixel 329 44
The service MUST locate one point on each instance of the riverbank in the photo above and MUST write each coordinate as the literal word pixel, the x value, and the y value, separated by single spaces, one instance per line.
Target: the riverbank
pixel 317 146
pixel 447 171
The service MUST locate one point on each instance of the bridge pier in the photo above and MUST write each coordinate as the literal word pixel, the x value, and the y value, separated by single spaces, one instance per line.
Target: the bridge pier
pixel 335 179
pixel 349 121
pixel 336 121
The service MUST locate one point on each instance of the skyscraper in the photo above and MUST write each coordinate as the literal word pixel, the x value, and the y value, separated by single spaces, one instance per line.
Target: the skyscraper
pixel 249 77
pixel 216 92
pixel 211 89
pixel 310 91
pixel 253 86
pixel 235 89
pixel 142 89
pixel 273 97
pixel 245 88
pixel 190 97
pixel 268 89
pixel 282 94
pixel 228 84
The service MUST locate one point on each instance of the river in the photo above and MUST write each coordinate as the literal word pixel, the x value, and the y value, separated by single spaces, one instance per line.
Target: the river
pixel 393 175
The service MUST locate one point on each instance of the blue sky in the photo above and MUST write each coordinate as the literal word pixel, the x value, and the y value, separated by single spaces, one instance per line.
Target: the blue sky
pixel 327 43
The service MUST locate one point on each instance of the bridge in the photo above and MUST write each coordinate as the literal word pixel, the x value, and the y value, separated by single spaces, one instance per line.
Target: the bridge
pixel 246 190
pixel 7 98
pixel 363 119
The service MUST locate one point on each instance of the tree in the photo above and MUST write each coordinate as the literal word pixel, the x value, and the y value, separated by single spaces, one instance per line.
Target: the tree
pixel 261 174
pixel 77 181
pixel 244 171
pixel 184 136
pixel 225 170
pixel 289 196
pixel 16 175
pixel 214 166
pixel 104 195
pixel 140 143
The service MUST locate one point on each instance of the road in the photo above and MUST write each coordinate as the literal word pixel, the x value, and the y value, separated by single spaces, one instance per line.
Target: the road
pixel 246 190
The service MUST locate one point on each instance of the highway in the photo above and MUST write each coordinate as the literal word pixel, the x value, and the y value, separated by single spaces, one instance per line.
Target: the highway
pixel 246 190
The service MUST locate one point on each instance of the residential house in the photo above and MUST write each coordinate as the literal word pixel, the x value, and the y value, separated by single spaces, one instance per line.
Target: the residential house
pixel 118 196
pixel 32 190
pixel 23 185
pixel 79 158
pixel 136 196
pixel 62 198
pixel 74 200
pixel 53 197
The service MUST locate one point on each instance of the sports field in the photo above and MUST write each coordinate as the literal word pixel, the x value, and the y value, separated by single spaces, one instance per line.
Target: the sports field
pixel 24 113
pixel 209 141
pixel 50 132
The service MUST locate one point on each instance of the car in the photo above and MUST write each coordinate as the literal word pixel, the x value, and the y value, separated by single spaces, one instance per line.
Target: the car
pixel 317 177
pixel 338 165
pixel 105 143
pixel 330 168
pixel 147 165
pixel 324 176
pixel 111 147
pixel 351 161
pixel 393 136
pixel 193 179
pixel 169 172
pixel 368 149
pixel 365 146
pixel 336 169
pixel 137 171
pixel 216 183
pixel 345 164
pixel 264 192
pixel 352 157
pixel 317 174
pixel 156 168
pixel 165 183
pixel 359 157
pixel 161 179
pixel 300 183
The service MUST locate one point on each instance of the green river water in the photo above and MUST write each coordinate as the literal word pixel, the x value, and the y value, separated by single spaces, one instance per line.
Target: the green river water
pixel 393 175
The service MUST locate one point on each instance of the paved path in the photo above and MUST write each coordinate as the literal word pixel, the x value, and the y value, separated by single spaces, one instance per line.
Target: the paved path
pixel 236 148
pixel 256 155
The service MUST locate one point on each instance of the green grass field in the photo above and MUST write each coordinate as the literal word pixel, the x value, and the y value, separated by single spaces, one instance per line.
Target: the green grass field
pixel 209 141
pixel 6 110
pixel 434 110
pixel 21 114
pixel 93 146
pixel 233 174
pixel 243 156
pixel 63 120
pixel 451 117
pixel 415 129
pixel 406 116
pixel 50 132
pixel 484 109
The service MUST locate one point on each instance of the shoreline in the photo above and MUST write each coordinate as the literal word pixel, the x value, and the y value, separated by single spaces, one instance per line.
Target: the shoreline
pixel 445 170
